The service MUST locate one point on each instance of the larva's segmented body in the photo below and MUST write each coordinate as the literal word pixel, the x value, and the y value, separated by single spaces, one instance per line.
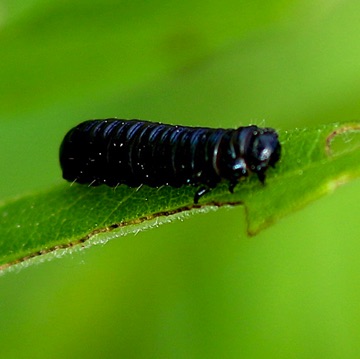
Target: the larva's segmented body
pixel 135 152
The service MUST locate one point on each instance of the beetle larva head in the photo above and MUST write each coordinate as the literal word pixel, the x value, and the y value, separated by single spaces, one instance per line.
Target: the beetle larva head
pixel 247 150
pixel 264 151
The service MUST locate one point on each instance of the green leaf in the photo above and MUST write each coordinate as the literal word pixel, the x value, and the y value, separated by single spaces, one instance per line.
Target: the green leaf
pixel 51 223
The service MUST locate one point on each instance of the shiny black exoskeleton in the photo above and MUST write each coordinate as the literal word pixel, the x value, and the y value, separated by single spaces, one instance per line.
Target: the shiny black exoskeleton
pixel 135 152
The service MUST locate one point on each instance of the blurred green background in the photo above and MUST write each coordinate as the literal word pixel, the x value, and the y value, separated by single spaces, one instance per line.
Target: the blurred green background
pixel 199 288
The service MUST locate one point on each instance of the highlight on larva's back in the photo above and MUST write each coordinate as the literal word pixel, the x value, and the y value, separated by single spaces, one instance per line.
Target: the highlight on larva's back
pixel 135 152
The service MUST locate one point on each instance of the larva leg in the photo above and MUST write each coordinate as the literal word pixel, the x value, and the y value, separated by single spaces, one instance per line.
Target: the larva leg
pixel 232 185
pixel 261 176
pixel 201 192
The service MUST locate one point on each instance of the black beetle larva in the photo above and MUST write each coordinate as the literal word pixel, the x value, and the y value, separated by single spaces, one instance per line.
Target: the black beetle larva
pixel 135 152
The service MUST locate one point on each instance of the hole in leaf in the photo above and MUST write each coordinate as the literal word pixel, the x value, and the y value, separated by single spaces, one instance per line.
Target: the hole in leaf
pixel 343 139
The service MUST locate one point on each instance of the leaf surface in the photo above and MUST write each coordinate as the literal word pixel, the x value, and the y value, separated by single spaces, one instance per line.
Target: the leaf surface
pixel 48 224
